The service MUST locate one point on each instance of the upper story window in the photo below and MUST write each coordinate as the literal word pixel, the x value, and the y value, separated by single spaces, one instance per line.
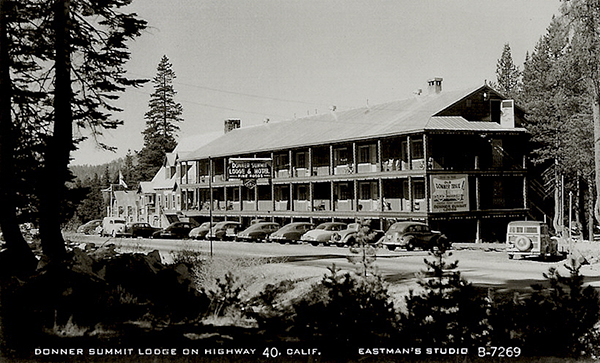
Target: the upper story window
pixel 417 151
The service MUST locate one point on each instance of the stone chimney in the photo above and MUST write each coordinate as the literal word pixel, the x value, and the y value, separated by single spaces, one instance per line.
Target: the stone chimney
pixel 232 124
pixel 434 85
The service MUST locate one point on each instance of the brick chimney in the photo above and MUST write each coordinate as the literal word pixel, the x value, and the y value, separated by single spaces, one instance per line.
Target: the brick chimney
pixel 232 124
pixel 434 85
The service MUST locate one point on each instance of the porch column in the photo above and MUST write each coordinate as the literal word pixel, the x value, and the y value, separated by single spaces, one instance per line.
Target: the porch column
pixel 271 183
pixel 478 231
pixel 331 199
pixel 426 154
pixel 241 197
pixel 355 187
pixel 410 195
pixel 310 161
pixel 380 187
pixel 331 160
pixel 310 195
pixel 379 156
pixel 354 159
pixel 291 196
pixel 409 156
pixel 290 168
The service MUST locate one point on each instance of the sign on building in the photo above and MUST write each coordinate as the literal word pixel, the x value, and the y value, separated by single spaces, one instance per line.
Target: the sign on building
pixel 449 193
pixel 249 168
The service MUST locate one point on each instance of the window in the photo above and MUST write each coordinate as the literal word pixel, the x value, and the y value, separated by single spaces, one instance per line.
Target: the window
pixel 417 149
pixel 364 155
pixel 419 189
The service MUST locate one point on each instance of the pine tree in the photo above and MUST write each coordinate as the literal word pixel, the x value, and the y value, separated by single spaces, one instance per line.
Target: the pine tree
pixel 447 311
pixel 558 111
pixel 584 18
pixel 162 121
pixel 507 74
pixel 76 51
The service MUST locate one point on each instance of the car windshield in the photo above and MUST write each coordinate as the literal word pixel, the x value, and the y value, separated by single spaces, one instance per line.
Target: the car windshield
pixel 322 226
pixel 119 221
pixel 398 227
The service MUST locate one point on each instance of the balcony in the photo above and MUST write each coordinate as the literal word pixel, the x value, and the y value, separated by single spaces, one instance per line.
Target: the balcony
pixel 321 205
pixel 301 205
pixel 368 168
pixel 281 205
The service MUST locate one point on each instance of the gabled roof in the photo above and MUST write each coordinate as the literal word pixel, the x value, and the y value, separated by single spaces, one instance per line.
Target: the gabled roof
pixel 161 182
pixel 415 114
pixel 125 197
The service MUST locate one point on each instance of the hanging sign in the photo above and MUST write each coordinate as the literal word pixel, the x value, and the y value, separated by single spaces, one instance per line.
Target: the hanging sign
pixel 449 193
pixel 249 168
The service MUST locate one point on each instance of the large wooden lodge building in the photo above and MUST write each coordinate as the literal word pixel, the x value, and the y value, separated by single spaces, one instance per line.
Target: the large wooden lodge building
pixel 456 160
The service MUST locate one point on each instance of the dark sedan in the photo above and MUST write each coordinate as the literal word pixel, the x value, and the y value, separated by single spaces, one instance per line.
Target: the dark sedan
pixel 141 229
pixel 291 232
pixel 411 235
pixel 257 232
pixel 174 230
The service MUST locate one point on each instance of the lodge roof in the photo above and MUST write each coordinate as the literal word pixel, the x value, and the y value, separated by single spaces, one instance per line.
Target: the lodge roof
pixel 412 115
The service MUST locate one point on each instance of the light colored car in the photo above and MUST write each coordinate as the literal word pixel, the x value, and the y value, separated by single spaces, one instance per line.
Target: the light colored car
pixel 291 232
pixel 323 233
pixel 200 232
pixel 113 226
pixel 89 227
pixel 347 237
pixel 530 238
pixel 257 232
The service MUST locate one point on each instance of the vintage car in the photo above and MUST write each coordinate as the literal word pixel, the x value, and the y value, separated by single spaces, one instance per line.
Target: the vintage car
pixel 140 229
pixel 291 232
pixel 174 230
pixel 200 231
pixel 257 232
pixel 113 226
pixel 347 237
pixel 89 227
pixel 323 233
pixel 219 231
pixel 530 238
pixel 411 235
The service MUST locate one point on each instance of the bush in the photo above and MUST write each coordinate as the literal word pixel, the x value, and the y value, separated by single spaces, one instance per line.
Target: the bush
pixel 448 311
pixel 558 320
pixel 344 310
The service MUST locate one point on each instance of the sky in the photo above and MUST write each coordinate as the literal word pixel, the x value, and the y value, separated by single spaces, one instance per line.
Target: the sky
pixel 281 59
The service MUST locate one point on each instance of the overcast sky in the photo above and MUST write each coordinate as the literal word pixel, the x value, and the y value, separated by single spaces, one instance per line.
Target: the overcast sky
pixel 280 59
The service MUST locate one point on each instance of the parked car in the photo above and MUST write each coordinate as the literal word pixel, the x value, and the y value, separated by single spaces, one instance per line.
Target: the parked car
pixel 347 237
pixel 411 235
pixel 530 238
pixel 291 232
pixel 220 229
pixel 89 227
pixel 113 226
pixel 323 233
pixel 200 231
pixel 174 230
pixel 257 232
pixel 140 229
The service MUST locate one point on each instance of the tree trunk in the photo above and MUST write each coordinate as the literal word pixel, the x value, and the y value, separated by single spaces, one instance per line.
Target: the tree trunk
pixel 596 117
pixel 20 258
pixel 61 143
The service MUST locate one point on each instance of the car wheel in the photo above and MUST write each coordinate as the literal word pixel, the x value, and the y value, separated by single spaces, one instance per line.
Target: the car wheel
pixel 391 248
pixel 511 256
pixel 410 246
pixel 314 243
pixel 523 243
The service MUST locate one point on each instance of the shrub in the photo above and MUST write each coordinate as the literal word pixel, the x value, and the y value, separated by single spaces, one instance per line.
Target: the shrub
pixel 344 310
pixel 448 311
pixel 558 320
